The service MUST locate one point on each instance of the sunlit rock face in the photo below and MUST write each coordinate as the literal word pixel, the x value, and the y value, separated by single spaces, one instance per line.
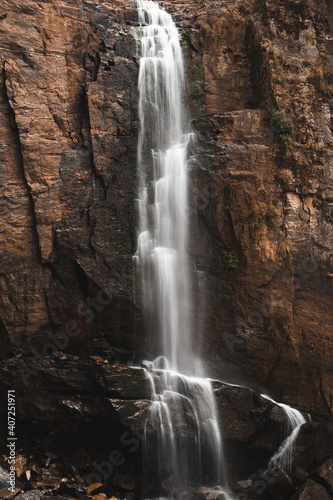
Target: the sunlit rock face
pixel 69 132
pixel 268 317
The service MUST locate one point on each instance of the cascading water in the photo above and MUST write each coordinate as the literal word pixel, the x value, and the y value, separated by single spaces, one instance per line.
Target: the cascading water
pixel 163 183
pixel 188 447
pixel 188 450
pixel 283 458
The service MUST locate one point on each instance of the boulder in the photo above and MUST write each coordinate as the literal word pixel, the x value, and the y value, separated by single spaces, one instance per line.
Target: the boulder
pixel 313 446
pixel 312 491
pixel 325 473
pixel 247 417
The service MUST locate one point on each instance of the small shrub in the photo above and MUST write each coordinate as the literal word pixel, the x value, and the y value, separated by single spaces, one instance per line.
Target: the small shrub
pixel 316 82
pixel 282 127
pixel 273 211
pixel 197 90
pixel 272 216
pixel 201 42
pixel 230 261
pixel 206 27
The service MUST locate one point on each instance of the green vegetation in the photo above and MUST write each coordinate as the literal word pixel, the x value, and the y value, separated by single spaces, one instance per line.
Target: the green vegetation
pixel 230 261
pixel 206 28
pixel 260 218
pixel 316 82
pixel 197 89
pixel 283 128
pixel 201 42
pixel 270 217
pixel 197 94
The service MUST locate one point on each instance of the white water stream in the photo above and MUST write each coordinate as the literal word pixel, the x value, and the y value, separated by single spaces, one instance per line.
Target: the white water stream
pixel 162 163
pixel 183 404
pixel 283 458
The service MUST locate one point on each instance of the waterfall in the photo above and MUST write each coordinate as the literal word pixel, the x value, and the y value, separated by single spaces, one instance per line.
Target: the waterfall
pixel 162 163
pixel 188 450
pixel 186 454
pixel 283 458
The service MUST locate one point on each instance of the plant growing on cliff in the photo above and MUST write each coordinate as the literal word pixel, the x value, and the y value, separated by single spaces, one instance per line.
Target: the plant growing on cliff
pixel 316 82
pixel 272 216
pixel 283 128
pixel 206 28
pixel 229 259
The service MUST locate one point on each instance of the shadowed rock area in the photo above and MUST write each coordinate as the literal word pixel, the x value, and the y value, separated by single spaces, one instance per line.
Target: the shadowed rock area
pixel 261 246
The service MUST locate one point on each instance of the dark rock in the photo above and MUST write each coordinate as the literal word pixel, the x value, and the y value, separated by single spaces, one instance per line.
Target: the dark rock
pixel 243 485
pixel 325 474
pixel 313 446
pixel 4 477
pixel 210 494
pixel 312 491
pixel 95 488
pixel 300 475
pixel 73 489
pixel 278 485
pixel 247 417
pixel 49 477
pixel 31 495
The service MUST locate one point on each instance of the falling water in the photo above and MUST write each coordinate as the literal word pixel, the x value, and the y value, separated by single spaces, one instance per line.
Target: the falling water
pixel 283 458
pixel 162 162
pixel 183 405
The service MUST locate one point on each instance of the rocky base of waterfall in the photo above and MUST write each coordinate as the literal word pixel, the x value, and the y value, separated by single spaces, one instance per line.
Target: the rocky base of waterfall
pixel 81 425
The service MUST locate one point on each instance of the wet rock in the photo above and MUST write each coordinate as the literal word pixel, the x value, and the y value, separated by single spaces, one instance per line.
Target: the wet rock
pixel 211 494
pixel 277 485
pixel 247 417
pixel 8 495
pixel 31 495
pixel 325 473
pixel 243 485
pixel 312 491
pixel 75 489
pixel 100 496
pixel 49 478
pixel 20 465
pixel 95 488
pixel 4 477
pixel 300 475
pixel 313 446
pixel 130 383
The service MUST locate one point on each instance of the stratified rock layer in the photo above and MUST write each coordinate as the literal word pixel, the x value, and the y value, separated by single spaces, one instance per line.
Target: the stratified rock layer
pixel 69 126
pixel 68 178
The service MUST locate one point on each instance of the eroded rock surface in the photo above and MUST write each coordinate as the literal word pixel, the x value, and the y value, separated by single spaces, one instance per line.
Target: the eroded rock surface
pixel 261 215
pixel 68 184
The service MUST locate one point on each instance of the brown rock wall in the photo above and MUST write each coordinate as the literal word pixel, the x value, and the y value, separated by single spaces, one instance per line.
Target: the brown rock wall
pixel 68 183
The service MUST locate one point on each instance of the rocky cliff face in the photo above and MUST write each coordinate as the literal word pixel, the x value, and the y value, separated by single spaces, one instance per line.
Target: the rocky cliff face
pixel 68 147
pixel 261 213
pixel 68 184
pixel 267 204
